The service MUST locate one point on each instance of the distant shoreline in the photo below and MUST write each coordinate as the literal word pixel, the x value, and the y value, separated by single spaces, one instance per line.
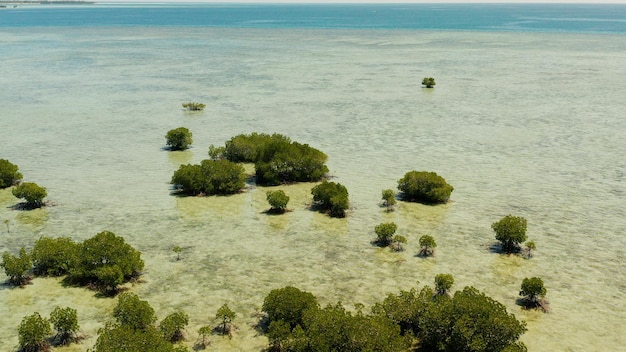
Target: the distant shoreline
pixel 49 2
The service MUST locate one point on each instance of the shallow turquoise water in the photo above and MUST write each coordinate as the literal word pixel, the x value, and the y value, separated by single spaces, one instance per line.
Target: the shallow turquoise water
pixel 524 123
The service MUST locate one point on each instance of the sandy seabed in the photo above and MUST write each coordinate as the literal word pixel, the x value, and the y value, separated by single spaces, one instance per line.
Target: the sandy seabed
pixel 525 124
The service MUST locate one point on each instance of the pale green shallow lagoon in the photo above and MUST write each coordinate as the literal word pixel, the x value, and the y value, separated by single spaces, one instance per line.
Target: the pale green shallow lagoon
pixel 529 124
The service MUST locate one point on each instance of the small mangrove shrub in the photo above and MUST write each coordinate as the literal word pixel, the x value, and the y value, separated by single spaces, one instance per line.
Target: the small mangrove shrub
pixel 9 174
pixel 278 201
pixel 193 106
pixel 510 231
pixel 31 192
pixel 384 233
pixel 332 198
pixel 425 187
pixel 179 138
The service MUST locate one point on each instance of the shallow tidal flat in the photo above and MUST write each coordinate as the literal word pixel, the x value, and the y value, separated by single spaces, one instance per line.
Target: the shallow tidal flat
pixel 527 124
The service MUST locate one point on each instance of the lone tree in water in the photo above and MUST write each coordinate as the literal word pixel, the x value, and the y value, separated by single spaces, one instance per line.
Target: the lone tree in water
pixel 384 233
pixel 530 247
pixel 425 187
pixel 65 322
pixel 397 243
pixel 510 231
pixel 332 198
pixel 278 201
pixel 533 290
pixel 32 193
pixel 193 106
pixel 9 175
pixel 429 82
pixel 443 283
pixel 33 331
pixel 226 316
pixel 17 268
pixel 389 199
pixel 427 246
pixel 179 138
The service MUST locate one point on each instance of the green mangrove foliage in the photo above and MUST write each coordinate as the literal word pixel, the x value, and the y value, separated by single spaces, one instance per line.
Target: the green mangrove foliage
pixel 530 247
pixel 179 138
pixel 225 316
pixel 17 268
pixel 54 256
pixel 32 333
pixel 9 174
pixel 427 246
pixel 133 312
pixel 397 243
pixel 193 106
pixel 429 82
pixel 210 177
pixel 510 231
pixel 277 159
pixel 297 323
pixel 384 233
pixel 203 340
pixel 105 261
pixel 532 291
pixel 134 329
pixel 278 201
pixel 426 187
pixel 466 321
pixel 172 326
pixel 443 283
pixel 31 192
pixel 288 305
pixel 389 199
pixel 65 322
pixel 332 198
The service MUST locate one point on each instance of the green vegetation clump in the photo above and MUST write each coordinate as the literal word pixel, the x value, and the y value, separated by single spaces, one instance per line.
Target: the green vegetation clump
pixel 193 106
pixel 54 256
pixel 31 192
pixel 443 283
pixel 134 329
pixel 133 312
pixel 530 247
pixel 429 82
pixel 226 316
pixel 297 323
pixel 426 187
pixel 427 246
pixel 384 233
pixel 120 338
pixel 172 326
pixel 278 201
pixel 533 290
pixel 389 199
pixel 210 177
pixel 277 159
pixel 65 322
pixel 17 268
pixel 9 174
pixel 203 341
pixel 32 332
pixel 397 243
pixel 179 138
pixel 104 262
pixel 510 231
pixel 332 198
pixel 288 304
pixel 469 321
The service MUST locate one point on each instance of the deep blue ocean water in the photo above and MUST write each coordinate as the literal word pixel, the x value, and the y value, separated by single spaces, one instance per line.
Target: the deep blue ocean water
pixel 454 17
